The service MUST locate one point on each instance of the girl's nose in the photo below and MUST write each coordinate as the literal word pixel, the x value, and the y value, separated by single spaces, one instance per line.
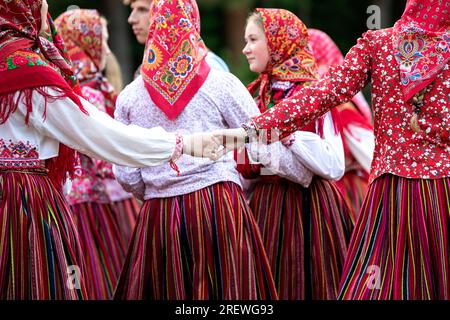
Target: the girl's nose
pixel 246 49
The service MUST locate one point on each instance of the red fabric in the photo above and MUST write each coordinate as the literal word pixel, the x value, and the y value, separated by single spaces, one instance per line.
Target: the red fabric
pixel 398 149
pixel 290 56
pixel 357 113
pixel 29 61
pixel 327 53
pixel 84 42
pixel 243 166
pixel 174 66
pixel 20 22
pixel 422 41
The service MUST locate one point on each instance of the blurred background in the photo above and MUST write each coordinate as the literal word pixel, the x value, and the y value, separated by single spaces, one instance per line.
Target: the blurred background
pixel 223 24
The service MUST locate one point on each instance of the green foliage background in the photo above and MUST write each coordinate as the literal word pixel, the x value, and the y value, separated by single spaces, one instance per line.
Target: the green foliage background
pixel 343 20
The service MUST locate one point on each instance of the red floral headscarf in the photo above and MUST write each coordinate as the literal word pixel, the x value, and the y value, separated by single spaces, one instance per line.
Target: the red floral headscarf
pixel 29 62
pixel 174 66
pixel 82 31
pixel 422 43
pixel 327 53
pixel 291 58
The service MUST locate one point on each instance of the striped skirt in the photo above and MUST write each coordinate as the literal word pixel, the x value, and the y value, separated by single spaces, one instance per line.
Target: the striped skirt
pixel 103 245
pixel 400 248
pixel 40 256
pixel 127 213
pixel 305 232
pixel 353 188
pixel 202 245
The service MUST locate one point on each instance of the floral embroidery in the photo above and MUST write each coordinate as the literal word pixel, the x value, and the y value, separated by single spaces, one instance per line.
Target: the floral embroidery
pixel 184 23
pixel 19 155
pixel 154 58
pixel 22 58
pixel 17 150
pixel 182 66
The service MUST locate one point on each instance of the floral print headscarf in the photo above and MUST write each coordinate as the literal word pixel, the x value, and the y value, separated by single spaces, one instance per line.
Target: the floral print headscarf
pixel 291 58
pixel 82 32
pixel 422 45
pixel 174 66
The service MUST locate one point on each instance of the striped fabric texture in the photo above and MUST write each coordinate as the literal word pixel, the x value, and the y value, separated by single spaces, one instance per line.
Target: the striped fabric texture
pixel 127 213
pixel 103 246
pixel 40 256
pixel 305 232
pixel 202 245
pixel 400 246
pixel 353 188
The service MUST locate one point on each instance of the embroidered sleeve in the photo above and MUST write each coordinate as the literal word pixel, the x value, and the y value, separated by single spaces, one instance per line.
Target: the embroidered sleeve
pixel 340 84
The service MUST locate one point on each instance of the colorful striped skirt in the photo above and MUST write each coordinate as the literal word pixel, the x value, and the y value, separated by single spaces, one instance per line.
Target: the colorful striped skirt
pixel 400 248
pixel 305 232
pixel 202 245
pixel 103 245
pixel 353 187
pixel 127 213
pixel 40 256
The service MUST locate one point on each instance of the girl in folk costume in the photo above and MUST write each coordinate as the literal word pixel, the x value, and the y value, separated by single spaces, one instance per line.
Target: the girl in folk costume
pixel 40 116
pixel 104 213
pixel 400 247
pixel 195 237
pixel 356 119
pixel 304 222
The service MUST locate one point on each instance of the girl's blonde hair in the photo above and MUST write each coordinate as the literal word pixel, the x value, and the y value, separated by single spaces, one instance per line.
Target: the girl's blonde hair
pixel 256 18
pixel 113 72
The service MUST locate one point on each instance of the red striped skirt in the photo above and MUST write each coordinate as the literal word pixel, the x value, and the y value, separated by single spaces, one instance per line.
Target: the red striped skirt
pixel 354 189
pixel 40 256
pixel 127 213
pixel 400 248
pixel 305 232
pixel 103 245
pixel 202 245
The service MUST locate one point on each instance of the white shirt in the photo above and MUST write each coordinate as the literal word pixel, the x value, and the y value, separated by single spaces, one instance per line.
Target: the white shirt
pixel 96 134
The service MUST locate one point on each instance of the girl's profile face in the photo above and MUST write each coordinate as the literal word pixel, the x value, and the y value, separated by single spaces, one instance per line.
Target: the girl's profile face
pixel 105 47
pixel 256 50
pixel 44 12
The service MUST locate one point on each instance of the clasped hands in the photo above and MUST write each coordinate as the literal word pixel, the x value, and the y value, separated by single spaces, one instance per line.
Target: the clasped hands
pixel 213 145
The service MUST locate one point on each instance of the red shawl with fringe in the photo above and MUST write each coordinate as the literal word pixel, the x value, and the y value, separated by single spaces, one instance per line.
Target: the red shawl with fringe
pixel 30 62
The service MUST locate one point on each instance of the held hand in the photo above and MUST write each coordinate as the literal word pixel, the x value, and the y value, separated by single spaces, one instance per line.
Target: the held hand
pixel 229 139
pixel 288 141
pixel 203 145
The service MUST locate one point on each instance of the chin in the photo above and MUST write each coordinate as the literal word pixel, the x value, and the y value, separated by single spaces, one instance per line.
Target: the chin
pixel 254 69
pixel 141 40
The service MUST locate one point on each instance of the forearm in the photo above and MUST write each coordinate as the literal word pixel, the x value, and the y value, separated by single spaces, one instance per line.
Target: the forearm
pixel 100 136
pixel 280 160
